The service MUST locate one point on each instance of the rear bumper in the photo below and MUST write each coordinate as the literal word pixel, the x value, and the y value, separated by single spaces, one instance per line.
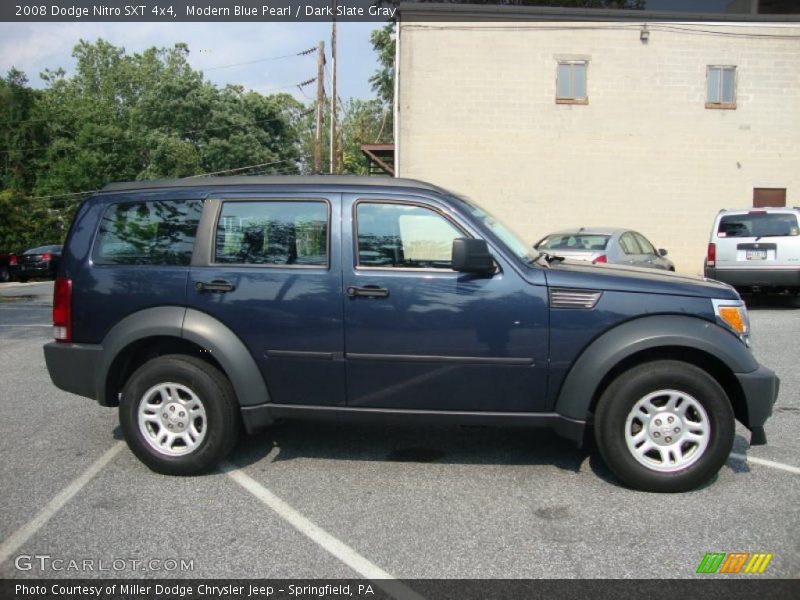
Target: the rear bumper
pixel 73 367
pixel 43 270
pixel 765 277
pixel 760 389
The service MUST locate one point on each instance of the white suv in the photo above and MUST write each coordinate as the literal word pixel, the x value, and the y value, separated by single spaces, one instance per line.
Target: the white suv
pixel 756 249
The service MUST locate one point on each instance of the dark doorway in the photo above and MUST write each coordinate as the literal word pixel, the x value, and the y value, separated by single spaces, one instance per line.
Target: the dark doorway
pixel 769 197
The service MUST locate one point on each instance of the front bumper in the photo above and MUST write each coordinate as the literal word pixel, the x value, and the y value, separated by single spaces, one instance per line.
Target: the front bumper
pixel 73 367
pixel 760 388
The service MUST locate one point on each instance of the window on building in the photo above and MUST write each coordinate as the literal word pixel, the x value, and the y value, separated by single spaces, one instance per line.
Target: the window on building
pixel 571 82
pixel 721 87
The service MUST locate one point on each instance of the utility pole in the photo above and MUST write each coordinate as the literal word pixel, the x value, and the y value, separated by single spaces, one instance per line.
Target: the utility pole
pixel 333 92
pixel 320 103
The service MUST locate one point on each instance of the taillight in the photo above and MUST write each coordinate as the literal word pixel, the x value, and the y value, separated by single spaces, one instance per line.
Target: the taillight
pixel 711 256
pixel 600 259
pixel 46 256
pixel 12 260
pixel 62 310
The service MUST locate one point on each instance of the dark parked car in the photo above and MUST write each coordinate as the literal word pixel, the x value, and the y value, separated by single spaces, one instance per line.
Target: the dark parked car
pixel 606 245
pixel 200 305
pixel 41 261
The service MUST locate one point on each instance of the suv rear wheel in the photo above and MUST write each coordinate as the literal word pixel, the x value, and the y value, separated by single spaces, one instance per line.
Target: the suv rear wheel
pixel 179 415
pixel 664 426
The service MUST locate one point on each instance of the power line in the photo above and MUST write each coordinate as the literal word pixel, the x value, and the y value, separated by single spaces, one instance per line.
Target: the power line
pixel 180 133
pixel 278 172
pixel 85 193
pixel 266 164
pixel 260 60
pixel 626 27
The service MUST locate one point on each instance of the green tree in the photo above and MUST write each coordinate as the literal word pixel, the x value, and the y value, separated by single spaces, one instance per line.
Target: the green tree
pixel 361 122
pixel 127 116
pixel 20 133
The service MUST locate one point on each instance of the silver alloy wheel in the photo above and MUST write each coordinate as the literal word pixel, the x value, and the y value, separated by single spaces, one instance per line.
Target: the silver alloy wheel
pixel 172 419
pixel 667 430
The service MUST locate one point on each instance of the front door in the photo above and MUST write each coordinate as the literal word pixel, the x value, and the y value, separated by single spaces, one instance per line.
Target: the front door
pixel 270 275
pixel 422 336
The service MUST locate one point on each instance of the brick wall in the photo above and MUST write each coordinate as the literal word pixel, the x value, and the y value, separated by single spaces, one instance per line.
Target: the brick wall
pixel 477 114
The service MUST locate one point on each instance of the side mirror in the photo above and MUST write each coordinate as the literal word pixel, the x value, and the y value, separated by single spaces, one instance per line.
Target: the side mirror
pixel 471 256
pixel 662 252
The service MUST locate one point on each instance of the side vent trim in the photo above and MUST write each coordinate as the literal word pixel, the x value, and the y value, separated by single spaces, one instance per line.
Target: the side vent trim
pixel 569 298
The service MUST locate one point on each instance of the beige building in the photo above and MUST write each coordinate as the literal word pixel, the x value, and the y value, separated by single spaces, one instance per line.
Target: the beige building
pixel 554 118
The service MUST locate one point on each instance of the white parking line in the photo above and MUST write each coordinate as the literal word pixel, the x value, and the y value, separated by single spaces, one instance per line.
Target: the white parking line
pixel 322 538
pixel 766 463
pixel 24 533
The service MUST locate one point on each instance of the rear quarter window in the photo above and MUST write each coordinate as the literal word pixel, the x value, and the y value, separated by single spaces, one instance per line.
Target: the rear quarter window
pixel 758 225
pixel 148 233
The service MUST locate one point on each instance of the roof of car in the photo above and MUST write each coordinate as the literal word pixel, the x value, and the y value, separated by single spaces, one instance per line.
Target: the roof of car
pixel 283 180
pixel 760 209
pixel 590 231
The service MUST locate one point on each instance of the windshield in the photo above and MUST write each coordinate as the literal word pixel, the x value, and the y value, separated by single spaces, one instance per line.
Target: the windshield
pixel 758 224
pixel 520 249
pixel 574 241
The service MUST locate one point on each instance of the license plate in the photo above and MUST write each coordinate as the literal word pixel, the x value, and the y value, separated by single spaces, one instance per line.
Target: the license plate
pixel 756 255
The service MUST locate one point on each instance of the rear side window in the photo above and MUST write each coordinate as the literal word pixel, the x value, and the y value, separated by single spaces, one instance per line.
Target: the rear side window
pixel 574 242
pixel 148 233
pixel 270 232
pixel 758 225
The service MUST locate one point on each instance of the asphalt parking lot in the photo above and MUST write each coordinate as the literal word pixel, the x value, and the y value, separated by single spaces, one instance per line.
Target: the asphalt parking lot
pixel 330 501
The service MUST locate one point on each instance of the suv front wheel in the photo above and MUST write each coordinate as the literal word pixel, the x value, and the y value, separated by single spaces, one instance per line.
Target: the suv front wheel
pixel 179 415
pixel 664 426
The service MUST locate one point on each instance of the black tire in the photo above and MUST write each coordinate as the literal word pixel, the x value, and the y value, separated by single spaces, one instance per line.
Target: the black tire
pixel 213 390
pixel 4 275
pixel 23 279
pixel 617 404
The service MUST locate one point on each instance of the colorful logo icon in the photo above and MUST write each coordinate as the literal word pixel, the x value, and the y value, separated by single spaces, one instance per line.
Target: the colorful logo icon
pixel 734 562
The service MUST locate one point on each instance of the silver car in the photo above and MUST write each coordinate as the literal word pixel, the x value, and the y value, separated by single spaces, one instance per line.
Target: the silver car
pixel 756 249
pixel 605 245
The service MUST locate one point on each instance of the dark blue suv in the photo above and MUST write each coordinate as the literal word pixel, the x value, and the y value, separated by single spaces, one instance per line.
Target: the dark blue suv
pixel 201 305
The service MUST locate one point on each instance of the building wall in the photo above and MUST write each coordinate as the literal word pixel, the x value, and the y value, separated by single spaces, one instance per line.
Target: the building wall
pixel 476 113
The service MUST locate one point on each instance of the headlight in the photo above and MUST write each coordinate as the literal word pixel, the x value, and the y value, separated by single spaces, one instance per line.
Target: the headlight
pixel 732 314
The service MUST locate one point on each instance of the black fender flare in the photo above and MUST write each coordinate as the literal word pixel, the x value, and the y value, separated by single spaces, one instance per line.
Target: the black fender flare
pixel 197 327
pixel 645 333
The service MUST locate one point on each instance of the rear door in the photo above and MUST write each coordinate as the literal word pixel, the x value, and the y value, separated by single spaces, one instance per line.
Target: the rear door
pixel 758 239
pixel 422 336
pixel 269 269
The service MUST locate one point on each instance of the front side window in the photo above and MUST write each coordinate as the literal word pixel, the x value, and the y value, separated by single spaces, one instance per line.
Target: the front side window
pixel 721 87
pixel 571 83
pixel 644 244
pixel 148 233
pixel 293 233
pixel 629 245
pixel 403 236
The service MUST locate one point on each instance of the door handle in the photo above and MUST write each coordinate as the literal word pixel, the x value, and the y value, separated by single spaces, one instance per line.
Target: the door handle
pixel 218 285
pixel 368 291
